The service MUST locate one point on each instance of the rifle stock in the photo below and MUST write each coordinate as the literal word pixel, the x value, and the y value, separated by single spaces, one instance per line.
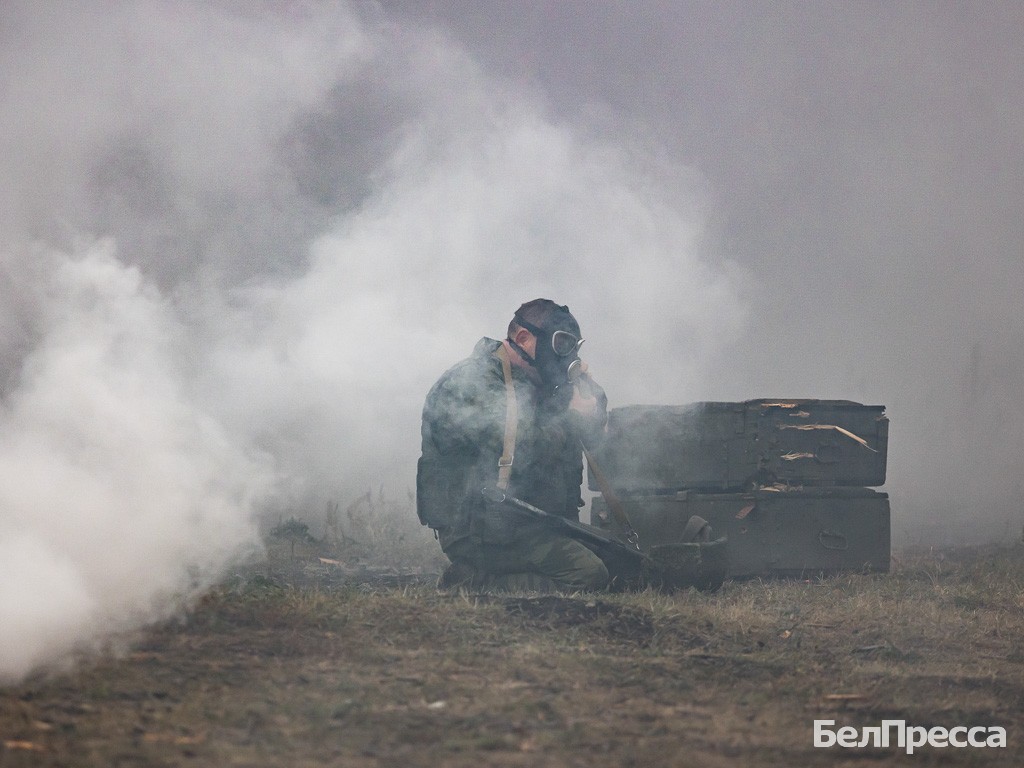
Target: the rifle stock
pixel 572 528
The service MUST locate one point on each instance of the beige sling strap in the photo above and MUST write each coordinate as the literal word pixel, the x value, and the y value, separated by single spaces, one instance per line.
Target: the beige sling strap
pixel 511 421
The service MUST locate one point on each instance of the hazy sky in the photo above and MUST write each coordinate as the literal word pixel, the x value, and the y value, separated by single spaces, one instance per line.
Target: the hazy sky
pixel 238 243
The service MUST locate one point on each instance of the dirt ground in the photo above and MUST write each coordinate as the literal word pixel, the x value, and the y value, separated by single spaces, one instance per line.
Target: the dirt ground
pixel 308 663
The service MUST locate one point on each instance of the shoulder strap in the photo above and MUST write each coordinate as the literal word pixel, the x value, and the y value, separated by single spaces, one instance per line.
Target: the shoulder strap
pixel 511 421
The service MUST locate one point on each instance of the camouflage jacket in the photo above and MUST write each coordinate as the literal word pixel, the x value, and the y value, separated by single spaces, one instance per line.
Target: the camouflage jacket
pixel 463 435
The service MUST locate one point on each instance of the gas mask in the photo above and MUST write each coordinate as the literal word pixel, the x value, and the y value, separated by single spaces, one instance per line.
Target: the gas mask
pixel 557 358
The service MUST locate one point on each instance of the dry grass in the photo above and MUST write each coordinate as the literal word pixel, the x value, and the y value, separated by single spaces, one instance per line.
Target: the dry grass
pixel 304 663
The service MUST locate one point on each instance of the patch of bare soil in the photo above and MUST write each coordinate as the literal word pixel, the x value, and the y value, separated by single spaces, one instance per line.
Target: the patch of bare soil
pixel 628 623
pixel 302 662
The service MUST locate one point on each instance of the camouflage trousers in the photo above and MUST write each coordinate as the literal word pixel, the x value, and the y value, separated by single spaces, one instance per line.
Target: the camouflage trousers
pixel 537 561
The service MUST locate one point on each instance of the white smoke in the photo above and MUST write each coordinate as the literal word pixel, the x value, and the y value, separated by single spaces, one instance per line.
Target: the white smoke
pixel 119 496
pixel 404 287
pixel 309 214
pixel 239 244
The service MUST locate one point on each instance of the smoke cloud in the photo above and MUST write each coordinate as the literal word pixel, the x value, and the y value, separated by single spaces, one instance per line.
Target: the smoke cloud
pixel 239 245
pixel 119 493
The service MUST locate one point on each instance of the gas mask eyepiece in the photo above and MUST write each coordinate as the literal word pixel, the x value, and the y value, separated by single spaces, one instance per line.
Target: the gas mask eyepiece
pixel 564 343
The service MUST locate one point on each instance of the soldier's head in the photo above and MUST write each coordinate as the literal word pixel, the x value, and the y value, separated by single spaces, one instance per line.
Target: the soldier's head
pixel 547 337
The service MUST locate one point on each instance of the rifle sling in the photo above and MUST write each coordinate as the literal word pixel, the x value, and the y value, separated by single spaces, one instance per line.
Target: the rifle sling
pixel 610 497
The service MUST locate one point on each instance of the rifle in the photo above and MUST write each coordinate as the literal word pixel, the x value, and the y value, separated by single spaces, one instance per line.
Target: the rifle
pixel 700 564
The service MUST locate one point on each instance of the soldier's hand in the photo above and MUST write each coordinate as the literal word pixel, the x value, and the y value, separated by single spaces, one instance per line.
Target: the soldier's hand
pixel 583 405
pixel 588 407
pixel 583 400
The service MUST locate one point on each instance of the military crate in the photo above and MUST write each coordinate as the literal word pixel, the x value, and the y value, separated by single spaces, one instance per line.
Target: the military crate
pixel 772 533
pixel 720 446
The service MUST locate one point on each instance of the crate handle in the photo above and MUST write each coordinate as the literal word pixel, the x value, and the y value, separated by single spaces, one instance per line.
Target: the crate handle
pixel 831 540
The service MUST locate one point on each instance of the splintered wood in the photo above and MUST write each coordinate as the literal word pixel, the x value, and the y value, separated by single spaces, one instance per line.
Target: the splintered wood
pixel 840 430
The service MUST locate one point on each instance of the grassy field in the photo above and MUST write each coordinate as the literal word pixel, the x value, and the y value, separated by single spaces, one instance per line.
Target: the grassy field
pixel 300 662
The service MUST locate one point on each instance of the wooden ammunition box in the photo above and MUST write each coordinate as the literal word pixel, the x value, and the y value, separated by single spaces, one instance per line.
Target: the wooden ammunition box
pixel 803 533
pixel 721 446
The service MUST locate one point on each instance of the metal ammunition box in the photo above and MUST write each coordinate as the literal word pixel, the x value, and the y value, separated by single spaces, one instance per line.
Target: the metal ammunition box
pixel 720 446
pixel 804 533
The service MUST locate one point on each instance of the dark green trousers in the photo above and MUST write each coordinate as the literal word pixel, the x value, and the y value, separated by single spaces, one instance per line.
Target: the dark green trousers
pixel 538 561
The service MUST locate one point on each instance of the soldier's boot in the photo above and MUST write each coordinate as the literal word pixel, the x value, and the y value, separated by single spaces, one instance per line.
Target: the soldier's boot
pixel 458 575
pixel 519 582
